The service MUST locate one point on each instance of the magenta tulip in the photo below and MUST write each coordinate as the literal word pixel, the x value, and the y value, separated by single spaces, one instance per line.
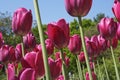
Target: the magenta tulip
pixel 116 8
pixel 18 52
pixel 75 44
pixel 1 39
pixel 102 43
pixel 118 31
pixel 22 21
pixel 61 77
pixel 81 57
pixel 107 28
pixel 55 67
pixel 78 7
pixel 93 75
pixel 29 41
pixel 49 46
pixel 59 33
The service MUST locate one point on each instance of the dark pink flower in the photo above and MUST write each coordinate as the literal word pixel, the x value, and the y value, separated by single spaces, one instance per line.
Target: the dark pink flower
pixel 75 44
pixel 1 39
pixel 81 57
pixel 49 46
pixel 61 77
pixel 118 31
pixel 107 28
pixel 29 41
pixel 116 8
pixel 93 75
pixel 18 52
pixel 59 33
pixel 22 21
pixel 78 7
pixel 55 67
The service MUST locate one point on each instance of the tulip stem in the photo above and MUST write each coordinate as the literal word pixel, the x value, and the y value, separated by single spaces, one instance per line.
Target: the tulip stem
pixel 42 40
pixel 84 48
pixel 115 65
pixel 79 68
pixel 105 69
pixel 63 65
pixel 99 73
pixel 22 45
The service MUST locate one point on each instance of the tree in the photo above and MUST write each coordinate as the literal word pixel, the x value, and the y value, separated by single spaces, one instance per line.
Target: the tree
pixel 98 17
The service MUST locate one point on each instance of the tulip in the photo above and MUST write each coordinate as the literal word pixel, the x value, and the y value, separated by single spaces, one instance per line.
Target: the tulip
pixel 59 33
pixel 93 75
pixel 78 7
pixel 18 52
pixel 81 57
pixel 29 41
pixel 61 77
pixel 118 31
pixel 55 67
pixel 102 43
pixel 4 53
pixel 107 28
pixel 75 44
pixel 1 39
pixel 34 60
pixel 22 21
pixel 116 8
pixel 49 46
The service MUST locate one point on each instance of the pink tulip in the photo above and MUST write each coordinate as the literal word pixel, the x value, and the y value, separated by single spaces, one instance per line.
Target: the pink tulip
pixel 1 39
pixel 29 41
pixel 78 7
pixel 49 46
pixel 93 75
pixel 18 52
pixel 81 57
pixel 107 28
pixel 102 43
pixel 116 8
pixel 59 33
pixel 55 67
pixel 22 21
pixel 61 77
pixel 118 31
pixel 34 60
pixel 75 44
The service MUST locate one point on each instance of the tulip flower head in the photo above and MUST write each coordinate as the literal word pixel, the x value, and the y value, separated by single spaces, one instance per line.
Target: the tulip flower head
pixel 107 28
pixel 116 8
pixel 1 40
pixel 78 7
pixel 59 33
pixel 81 57
pixel 75 44
pixel 22 21
pixel 93 75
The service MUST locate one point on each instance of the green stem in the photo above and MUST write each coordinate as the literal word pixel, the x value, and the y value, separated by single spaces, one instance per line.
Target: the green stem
pixel 99 73
pixel 22 45
pixel 63 65
pixel 79 68
pixel 105 69
pixel 42 40
pixel 84 48
pixel 115 65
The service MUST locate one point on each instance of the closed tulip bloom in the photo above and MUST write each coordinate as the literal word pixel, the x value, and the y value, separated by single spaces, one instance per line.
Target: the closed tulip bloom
pixel 78 7
pixel 75 44
pixel 18 52
pixel 118 31
pixel 1 39
pixel 59 33
pixel 116 8
pixel 55 67
pixel 93 75
pixel 29 41
pixel 81 57
pixel 22 21
pixel 107 28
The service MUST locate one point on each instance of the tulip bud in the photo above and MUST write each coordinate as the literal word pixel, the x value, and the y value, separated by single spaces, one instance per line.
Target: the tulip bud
pixel 107 28
pixel 29 41
pixel 1 39
pixel 81 57
pixel 18 52
pixel 75 44
pixel 59 33
pixel 93 76
pixel 22 21
pixel 55 67
pixel 116 9
pixel 118 31
pixel 78 7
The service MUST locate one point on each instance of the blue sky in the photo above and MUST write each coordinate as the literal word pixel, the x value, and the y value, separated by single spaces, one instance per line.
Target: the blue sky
pixel 53 10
